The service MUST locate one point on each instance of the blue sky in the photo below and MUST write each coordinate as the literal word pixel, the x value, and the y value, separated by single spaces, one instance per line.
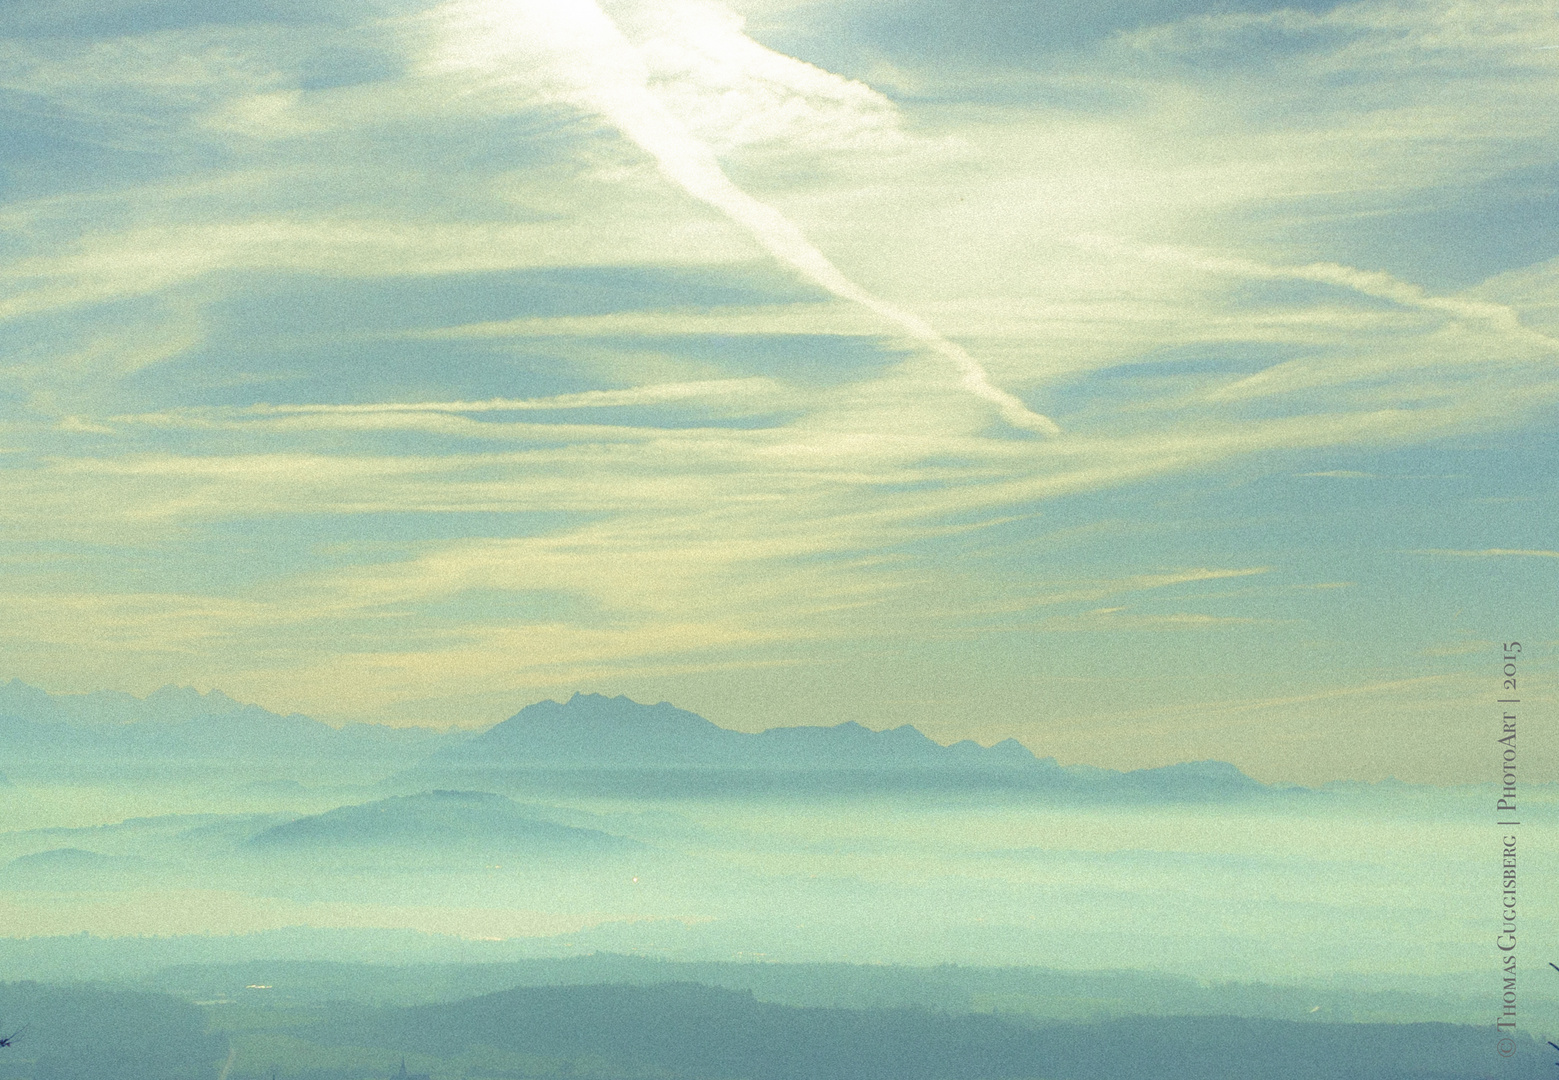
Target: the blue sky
pixel 1149 383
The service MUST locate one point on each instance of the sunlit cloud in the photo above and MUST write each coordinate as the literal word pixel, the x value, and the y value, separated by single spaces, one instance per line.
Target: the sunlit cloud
pixel 560 342
pixel 593 63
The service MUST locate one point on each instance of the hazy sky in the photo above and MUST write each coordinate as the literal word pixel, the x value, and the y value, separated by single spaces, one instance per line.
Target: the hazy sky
pixel 1153 382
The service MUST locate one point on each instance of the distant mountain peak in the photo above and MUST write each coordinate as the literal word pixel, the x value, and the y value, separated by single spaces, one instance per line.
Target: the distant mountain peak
pixel 109 731
pixel 591 738
pixel 448 795
pixel 187 698
pixel 594 731
pixel 23 699
pixel 440 818
pixel 588 698
pixel 168 704
pixel 592 715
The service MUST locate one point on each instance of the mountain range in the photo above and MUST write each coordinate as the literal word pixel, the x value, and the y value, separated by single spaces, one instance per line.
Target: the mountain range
pixel 591 731
pixel 588 744
pixel 109 732
pixel 617 746
pixel 695 1031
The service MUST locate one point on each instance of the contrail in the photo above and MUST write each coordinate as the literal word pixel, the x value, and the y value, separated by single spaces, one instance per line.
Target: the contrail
pixel 602 68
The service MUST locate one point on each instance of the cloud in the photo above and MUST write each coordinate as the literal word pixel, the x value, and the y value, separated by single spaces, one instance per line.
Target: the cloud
pixel 732 92
pixel 1094 591
pixel 802 318
pixel 593 63
pixel 1469 332
pixel 1119 619
pixel 1497 317
pixel 737 391
pixel 317 331
pixel 142 261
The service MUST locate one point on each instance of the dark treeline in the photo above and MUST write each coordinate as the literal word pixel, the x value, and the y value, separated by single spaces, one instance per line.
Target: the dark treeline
pixel 91 1033
pixel 698 1031
pixel 1038 992
pixel 388 968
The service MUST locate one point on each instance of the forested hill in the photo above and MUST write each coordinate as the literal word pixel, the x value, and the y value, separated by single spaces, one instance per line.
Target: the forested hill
pixel 94 1033
pixel 689 1030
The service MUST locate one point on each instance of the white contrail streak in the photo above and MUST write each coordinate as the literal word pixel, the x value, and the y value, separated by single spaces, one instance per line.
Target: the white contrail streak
pixel 1375 283
pixel 600 67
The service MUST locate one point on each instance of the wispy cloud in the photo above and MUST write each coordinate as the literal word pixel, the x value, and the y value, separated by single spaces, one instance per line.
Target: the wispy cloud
pixel 1119 619
pixel 594 63
pixel 546 345
pixel 665 393
pixel 1094 591
pixel 808 318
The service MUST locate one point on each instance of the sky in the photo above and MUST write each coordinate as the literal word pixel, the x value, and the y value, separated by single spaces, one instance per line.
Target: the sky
pixel 1154 382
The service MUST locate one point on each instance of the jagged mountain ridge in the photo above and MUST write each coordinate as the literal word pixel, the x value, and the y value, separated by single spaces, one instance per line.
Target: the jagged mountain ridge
pixel 182 722
pixel 593 734
pixel 590 730
pixel 589 735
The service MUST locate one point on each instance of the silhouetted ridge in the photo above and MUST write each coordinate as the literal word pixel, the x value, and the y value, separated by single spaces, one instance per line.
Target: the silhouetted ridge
pixel 592 731
pixel 590 744
pixel 617 746
pixel 691 1030
pixel 54 736
pixel 435 819
pixel 92 1033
